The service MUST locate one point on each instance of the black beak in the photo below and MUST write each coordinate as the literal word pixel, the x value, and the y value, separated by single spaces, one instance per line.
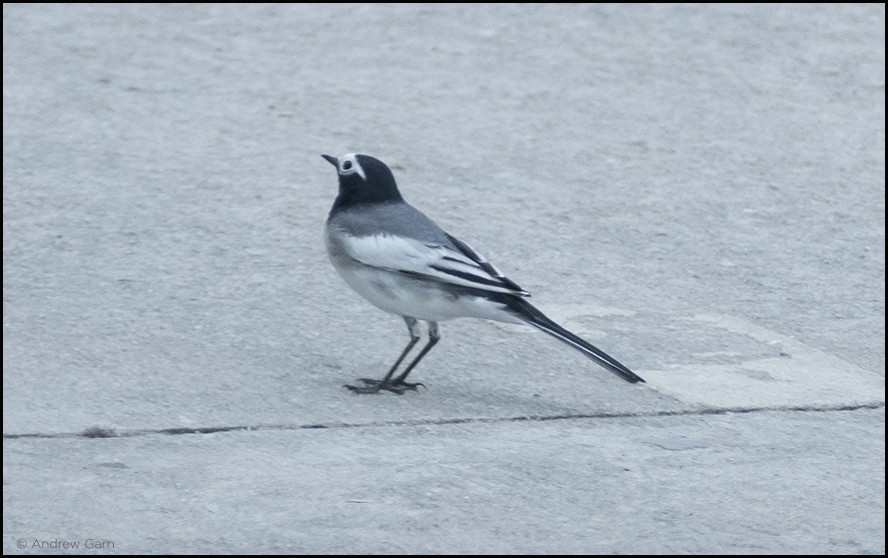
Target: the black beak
pixel 332 160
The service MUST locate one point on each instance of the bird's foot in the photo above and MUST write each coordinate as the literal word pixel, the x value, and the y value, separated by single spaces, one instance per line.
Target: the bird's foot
pixel 405 386
pixel 374 386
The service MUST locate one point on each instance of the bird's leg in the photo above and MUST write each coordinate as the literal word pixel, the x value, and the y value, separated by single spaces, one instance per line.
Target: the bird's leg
pixel 434 337
pixel 373 386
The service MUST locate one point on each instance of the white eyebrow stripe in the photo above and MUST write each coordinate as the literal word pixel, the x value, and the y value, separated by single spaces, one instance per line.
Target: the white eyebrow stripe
pixel 353 157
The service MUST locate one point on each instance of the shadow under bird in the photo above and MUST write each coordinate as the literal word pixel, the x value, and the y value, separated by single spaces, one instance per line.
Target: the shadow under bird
pixel 404 263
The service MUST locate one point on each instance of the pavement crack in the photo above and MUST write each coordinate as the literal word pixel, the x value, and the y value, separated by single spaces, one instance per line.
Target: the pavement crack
pixel 98 432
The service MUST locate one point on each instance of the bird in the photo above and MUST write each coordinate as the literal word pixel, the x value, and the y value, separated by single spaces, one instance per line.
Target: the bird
pixel 401 261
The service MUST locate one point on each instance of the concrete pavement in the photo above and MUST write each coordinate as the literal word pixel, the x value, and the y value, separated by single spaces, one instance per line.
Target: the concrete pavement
pixel 697 190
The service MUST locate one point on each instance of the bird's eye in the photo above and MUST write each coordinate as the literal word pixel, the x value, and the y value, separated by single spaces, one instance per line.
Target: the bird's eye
pixel 347 165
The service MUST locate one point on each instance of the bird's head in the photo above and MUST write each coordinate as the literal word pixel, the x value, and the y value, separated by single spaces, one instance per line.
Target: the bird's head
pixel 363 179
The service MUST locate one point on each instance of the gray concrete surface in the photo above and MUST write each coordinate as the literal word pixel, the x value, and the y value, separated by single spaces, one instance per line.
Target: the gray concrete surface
pixel 698 190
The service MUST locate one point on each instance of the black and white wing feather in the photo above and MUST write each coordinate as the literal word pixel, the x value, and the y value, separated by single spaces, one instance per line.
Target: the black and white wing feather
pixel 491 269
pixel 457 264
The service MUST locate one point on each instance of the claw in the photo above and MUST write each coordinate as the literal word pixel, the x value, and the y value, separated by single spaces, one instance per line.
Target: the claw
pixel 411 386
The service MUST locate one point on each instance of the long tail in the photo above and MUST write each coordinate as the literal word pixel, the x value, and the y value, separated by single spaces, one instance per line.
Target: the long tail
pixel 537 319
